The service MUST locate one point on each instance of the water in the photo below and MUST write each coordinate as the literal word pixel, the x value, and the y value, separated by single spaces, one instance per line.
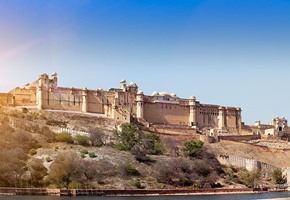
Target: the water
pixel 262 196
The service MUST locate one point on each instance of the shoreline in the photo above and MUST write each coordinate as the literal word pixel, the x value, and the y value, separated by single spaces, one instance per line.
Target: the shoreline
pixel 135 192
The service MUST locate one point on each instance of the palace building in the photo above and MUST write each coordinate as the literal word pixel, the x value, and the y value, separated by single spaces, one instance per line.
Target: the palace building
pixel 125 103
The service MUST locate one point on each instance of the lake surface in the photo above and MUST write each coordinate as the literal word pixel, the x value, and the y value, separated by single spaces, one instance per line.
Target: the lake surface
pixel 272 195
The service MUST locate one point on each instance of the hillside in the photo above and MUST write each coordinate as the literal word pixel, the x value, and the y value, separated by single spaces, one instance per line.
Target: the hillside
pixel 274 153
pixel 39 151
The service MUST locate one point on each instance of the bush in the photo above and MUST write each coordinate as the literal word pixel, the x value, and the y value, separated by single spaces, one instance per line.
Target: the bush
pixel 191 147
pixel 64 137
pixel 158 148
pixel 121 147
pixel 84 151
pixel 81 139
pixel 48 159
pixel 32 152
pixel 230 172
pixel 278 176
pixel 130 170
pixel 38 145
pixel 97 137
pixel 92 154
pixel 151 136
pixel 153 144
pixel 249 178
pixel 138 184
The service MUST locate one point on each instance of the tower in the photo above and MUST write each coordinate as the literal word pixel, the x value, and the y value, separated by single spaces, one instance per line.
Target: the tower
pixel 238 119
pixel 140 102
pixel 85 100
pixel 221 118
pixel 42 86
pixel 192 111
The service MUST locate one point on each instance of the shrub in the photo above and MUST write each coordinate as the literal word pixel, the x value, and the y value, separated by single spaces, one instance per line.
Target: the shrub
pixel 158 148
pixel 138 184
pixel 97 137
pixel 38 145
pixel 230 172
pixel 64 137
pixel 84 151
pixel 249 178
pixel 151 136
pixel 153 144
pixel 191 147
pixel 92 154
pixel 184 181
pixel 81 139
pixel 130 170
pixel 48 159
pixel 278 176
pixel 75 184
pixel 121 147
pixel 32 152
pixel 98 143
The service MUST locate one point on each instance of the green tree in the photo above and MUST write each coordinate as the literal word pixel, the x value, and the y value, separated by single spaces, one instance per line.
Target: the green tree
pixel 278 177
pixel 191 147
pixel 128 136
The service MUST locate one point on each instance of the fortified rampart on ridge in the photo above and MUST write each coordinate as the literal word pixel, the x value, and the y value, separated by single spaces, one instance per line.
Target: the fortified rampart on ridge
pixel 124 104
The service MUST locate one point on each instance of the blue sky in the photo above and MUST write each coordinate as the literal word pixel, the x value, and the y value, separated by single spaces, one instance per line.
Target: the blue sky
pixel 226 52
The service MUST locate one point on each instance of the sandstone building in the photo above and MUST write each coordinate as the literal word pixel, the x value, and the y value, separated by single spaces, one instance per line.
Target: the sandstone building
pixel 125 104
pixel 276 127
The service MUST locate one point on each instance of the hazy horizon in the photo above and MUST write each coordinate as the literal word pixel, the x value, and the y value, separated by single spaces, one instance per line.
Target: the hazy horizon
pixel 226 52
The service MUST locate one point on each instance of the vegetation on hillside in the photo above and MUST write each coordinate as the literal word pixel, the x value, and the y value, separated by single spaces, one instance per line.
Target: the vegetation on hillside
pixel 34 156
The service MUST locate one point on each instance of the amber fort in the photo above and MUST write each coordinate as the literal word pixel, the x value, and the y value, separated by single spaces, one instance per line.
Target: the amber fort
pixel 127 103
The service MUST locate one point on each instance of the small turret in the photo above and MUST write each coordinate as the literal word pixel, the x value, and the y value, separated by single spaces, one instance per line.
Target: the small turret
pixel 123 85
pixel 54 78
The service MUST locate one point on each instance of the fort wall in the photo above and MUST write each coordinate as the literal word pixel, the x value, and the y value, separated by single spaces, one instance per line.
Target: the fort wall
pixel 239 138
pixel 23 97
pixel 249 164
pixel 207 115
pixel 162 113
pixel 124 103
pixel 5 99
